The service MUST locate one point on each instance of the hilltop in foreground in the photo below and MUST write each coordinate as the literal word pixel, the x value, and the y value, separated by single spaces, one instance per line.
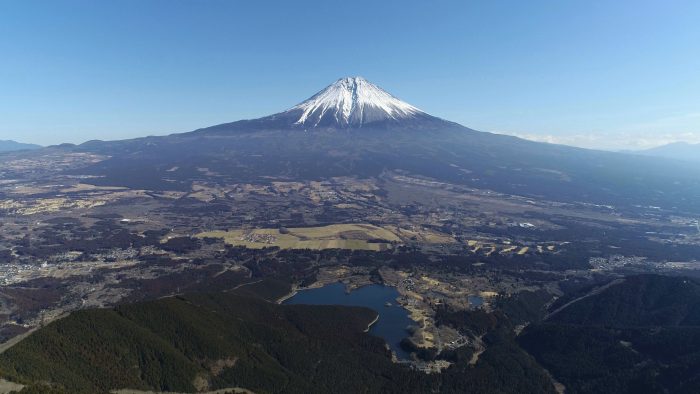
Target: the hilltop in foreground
pixel 203 342
pixel 213 341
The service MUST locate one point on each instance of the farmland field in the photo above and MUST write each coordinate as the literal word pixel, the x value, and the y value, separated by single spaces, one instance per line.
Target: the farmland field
pixel 335 236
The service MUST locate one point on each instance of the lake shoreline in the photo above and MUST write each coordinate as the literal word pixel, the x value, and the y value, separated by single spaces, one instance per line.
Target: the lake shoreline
pixel 285 297
pixel 369 326
pixel 389 321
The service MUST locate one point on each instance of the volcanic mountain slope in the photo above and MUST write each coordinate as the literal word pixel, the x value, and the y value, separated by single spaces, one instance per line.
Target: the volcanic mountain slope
pixel 354 128
pixel 676 151
pixel 348 104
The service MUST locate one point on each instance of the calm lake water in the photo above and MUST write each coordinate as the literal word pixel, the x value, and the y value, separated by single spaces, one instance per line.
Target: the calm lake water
pixel 475 301
pixel 393 319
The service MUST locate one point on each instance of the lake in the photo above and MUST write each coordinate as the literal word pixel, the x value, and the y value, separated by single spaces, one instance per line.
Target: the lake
pixel 475 301
pixel 393 319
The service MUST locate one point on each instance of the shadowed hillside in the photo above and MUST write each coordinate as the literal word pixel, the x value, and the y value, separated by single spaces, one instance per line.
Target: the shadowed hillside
pixel 212 341
pixel 637 335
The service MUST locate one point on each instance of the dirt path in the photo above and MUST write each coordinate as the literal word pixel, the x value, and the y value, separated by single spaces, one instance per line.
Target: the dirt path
pixel 595 291
pixel 17 339
pixel 8 387
pixel 475 356
pixel 479 349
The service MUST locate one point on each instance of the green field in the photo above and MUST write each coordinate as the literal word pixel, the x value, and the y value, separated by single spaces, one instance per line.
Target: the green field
pixel 335 236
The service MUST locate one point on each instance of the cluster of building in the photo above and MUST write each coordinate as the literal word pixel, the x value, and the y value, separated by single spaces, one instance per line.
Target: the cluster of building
pixel 429 367
pixel 640 263
pixel 15 272
pixel 618 261
pixel 457 343
pixel 409 284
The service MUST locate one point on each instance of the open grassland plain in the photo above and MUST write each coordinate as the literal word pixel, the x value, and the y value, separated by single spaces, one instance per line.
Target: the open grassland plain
pixel 335 236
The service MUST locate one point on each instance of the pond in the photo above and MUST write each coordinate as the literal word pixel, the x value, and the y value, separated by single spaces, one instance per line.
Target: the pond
pixel 393 318
pixel 475 301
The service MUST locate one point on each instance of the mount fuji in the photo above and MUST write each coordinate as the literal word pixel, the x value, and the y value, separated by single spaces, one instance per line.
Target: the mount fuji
pixel 353 102
pixel 348 103
pixel 353 128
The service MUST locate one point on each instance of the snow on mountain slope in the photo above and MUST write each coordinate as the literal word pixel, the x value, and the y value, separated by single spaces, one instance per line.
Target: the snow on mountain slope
pixel 352 102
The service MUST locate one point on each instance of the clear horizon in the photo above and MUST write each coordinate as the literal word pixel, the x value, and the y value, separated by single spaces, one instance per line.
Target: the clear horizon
pixel 595 75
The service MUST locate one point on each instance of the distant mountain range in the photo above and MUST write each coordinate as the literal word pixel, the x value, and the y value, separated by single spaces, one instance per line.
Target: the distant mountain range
pixel 677 150
pixel 9 146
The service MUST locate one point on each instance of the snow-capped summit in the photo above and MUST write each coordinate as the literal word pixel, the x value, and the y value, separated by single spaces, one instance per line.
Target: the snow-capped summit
pixel 351 102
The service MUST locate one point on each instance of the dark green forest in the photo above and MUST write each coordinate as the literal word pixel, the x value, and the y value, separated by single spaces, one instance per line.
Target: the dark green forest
pixel 639 336
pixel 221 340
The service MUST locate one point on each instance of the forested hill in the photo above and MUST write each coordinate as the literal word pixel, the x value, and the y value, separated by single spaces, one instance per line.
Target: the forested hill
pixel 196 342
pixel 212 341
pixel 644 300
pixel 640 334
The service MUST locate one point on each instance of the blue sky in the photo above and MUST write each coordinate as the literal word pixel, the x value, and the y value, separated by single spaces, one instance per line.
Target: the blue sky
pixel 603 74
